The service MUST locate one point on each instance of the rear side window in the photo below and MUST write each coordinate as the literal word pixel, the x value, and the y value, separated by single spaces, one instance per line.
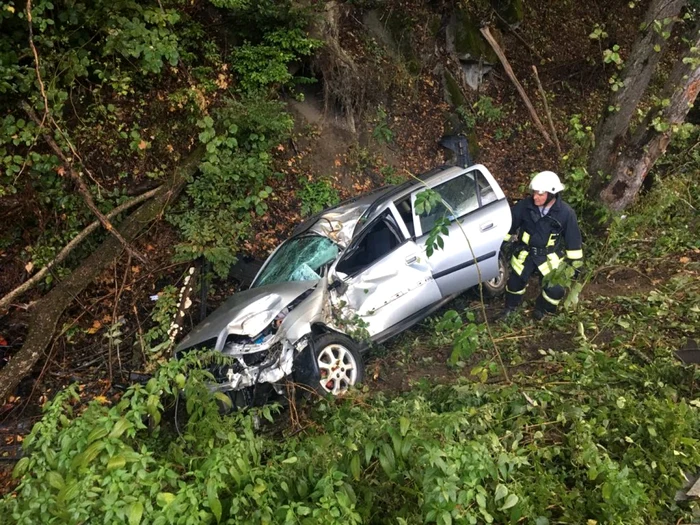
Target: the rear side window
pixel 461 196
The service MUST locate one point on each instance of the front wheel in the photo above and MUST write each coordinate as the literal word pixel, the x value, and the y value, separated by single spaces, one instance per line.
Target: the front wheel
pixel 339 363
pixel 497 285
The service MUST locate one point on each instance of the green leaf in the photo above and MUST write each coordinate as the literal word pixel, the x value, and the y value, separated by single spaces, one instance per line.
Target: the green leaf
pixel 481 500
pixel 119 428
pixel 511 501
pixel 134 512
pixel 215 506
pixel 224 399
pixel 116 462
pixel 90 453
pixel 404 424
pixel 20 467
pixel 355 467
pixel 55 480
pixel 387 459
pixel 501 491
pixel 165 498
pixel 445 518
pixel 97 433
pixel 291 460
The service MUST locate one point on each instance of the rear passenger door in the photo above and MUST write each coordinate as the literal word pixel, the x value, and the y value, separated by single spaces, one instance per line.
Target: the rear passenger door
pixel 477 204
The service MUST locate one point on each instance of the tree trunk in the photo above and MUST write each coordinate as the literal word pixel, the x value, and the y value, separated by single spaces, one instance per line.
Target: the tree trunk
pixel 613 128
pixel 640 152
pixel 49 309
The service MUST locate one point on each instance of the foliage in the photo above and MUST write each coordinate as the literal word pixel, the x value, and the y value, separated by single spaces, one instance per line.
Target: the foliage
pixel 483 110
pixel 426 201
pixel 109 73
pixel 607 441
pixel 465 337
pixel 382 133
pixel 232 184
pixel 266 64
pixel 317 195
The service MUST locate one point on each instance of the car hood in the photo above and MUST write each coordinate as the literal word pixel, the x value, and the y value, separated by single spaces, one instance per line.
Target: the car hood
pixel 245 313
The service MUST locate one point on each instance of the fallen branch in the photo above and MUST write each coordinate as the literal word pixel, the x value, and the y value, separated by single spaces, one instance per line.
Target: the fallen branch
pixel 68 248
pixel 49 309
pixel 82 187
pixel 509 71
pixel 547 111
pixel 522 40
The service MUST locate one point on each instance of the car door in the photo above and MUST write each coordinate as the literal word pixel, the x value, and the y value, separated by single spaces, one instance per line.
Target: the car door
pixel 479 217
pixel 383 277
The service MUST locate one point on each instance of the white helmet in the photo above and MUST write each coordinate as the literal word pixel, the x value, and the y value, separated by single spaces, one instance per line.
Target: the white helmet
pixel 546 181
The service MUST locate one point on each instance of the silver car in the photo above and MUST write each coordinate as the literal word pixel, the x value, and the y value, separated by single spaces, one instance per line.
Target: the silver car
pixel 353 275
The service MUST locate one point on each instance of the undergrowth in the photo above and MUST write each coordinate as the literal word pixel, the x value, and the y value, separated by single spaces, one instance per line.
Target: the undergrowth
pixel 605 439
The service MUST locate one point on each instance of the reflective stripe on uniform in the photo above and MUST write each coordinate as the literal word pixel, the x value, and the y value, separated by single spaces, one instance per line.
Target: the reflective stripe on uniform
pixel 507 237
pixel 574 254
pixel 552 239
pixel 525 238
pixel 517 292
pixel 552 263
pixel 518 263
pixel 547 298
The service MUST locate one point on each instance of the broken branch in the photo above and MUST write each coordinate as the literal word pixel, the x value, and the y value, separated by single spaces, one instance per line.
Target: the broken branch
pixel 509 71
pixel 82 187
pixel 547 111
pixel 68 248
pixel 49 309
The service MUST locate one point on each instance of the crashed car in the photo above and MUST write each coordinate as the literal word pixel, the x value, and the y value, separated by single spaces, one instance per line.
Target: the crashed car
pixel 356 274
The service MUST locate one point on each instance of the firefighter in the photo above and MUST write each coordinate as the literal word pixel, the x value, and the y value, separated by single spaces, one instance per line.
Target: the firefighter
pixel 548 235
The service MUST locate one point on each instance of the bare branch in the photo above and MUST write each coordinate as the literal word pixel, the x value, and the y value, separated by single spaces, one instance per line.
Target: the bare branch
pixel 68 248
pixel 82 187
pixel 548 112
pixel 509 71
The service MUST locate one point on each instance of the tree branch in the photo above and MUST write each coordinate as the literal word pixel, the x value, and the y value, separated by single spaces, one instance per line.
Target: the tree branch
pixel 68 248
pixel 82 187
pixel 50 308
pixel 509 71
pixel 547 112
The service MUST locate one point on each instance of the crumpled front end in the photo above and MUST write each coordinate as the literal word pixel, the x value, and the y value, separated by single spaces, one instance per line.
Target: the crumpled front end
pixel 269 355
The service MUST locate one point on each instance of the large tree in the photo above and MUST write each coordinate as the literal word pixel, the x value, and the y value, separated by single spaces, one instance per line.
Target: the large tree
pixel 624 154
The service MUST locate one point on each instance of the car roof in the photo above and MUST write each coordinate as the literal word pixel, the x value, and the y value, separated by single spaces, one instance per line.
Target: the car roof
pixel 363 208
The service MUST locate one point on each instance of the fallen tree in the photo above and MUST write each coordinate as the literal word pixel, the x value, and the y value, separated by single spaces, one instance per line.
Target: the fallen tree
pixel 48 310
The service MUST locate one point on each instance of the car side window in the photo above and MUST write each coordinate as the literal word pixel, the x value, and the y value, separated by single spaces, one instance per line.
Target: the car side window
pixel 486 191
pixel 379 240
pixel 460 194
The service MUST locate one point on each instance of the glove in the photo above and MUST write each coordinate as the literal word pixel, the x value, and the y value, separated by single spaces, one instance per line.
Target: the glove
pixel 508 246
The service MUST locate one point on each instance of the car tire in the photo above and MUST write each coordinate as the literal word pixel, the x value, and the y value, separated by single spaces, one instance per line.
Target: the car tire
pixel 339 363
pixel 497 286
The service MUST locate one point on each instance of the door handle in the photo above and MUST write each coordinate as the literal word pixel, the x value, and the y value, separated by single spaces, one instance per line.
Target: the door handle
pixel 486 226
pixel 411 259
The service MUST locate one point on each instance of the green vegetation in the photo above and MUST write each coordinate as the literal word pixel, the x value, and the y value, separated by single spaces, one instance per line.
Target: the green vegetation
pixel 593 433
pixel 130 78
pixel 317 195
pixel 596 422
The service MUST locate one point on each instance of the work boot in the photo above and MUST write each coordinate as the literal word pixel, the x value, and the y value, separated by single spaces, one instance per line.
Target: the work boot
pixel 538 315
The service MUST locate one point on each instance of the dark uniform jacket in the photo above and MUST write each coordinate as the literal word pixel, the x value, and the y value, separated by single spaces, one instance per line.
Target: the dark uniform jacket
pixel 547 239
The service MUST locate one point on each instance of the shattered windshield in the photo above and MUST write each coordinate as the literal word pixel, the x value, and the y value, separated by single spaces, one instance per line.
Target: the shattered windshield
pixel 299 259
